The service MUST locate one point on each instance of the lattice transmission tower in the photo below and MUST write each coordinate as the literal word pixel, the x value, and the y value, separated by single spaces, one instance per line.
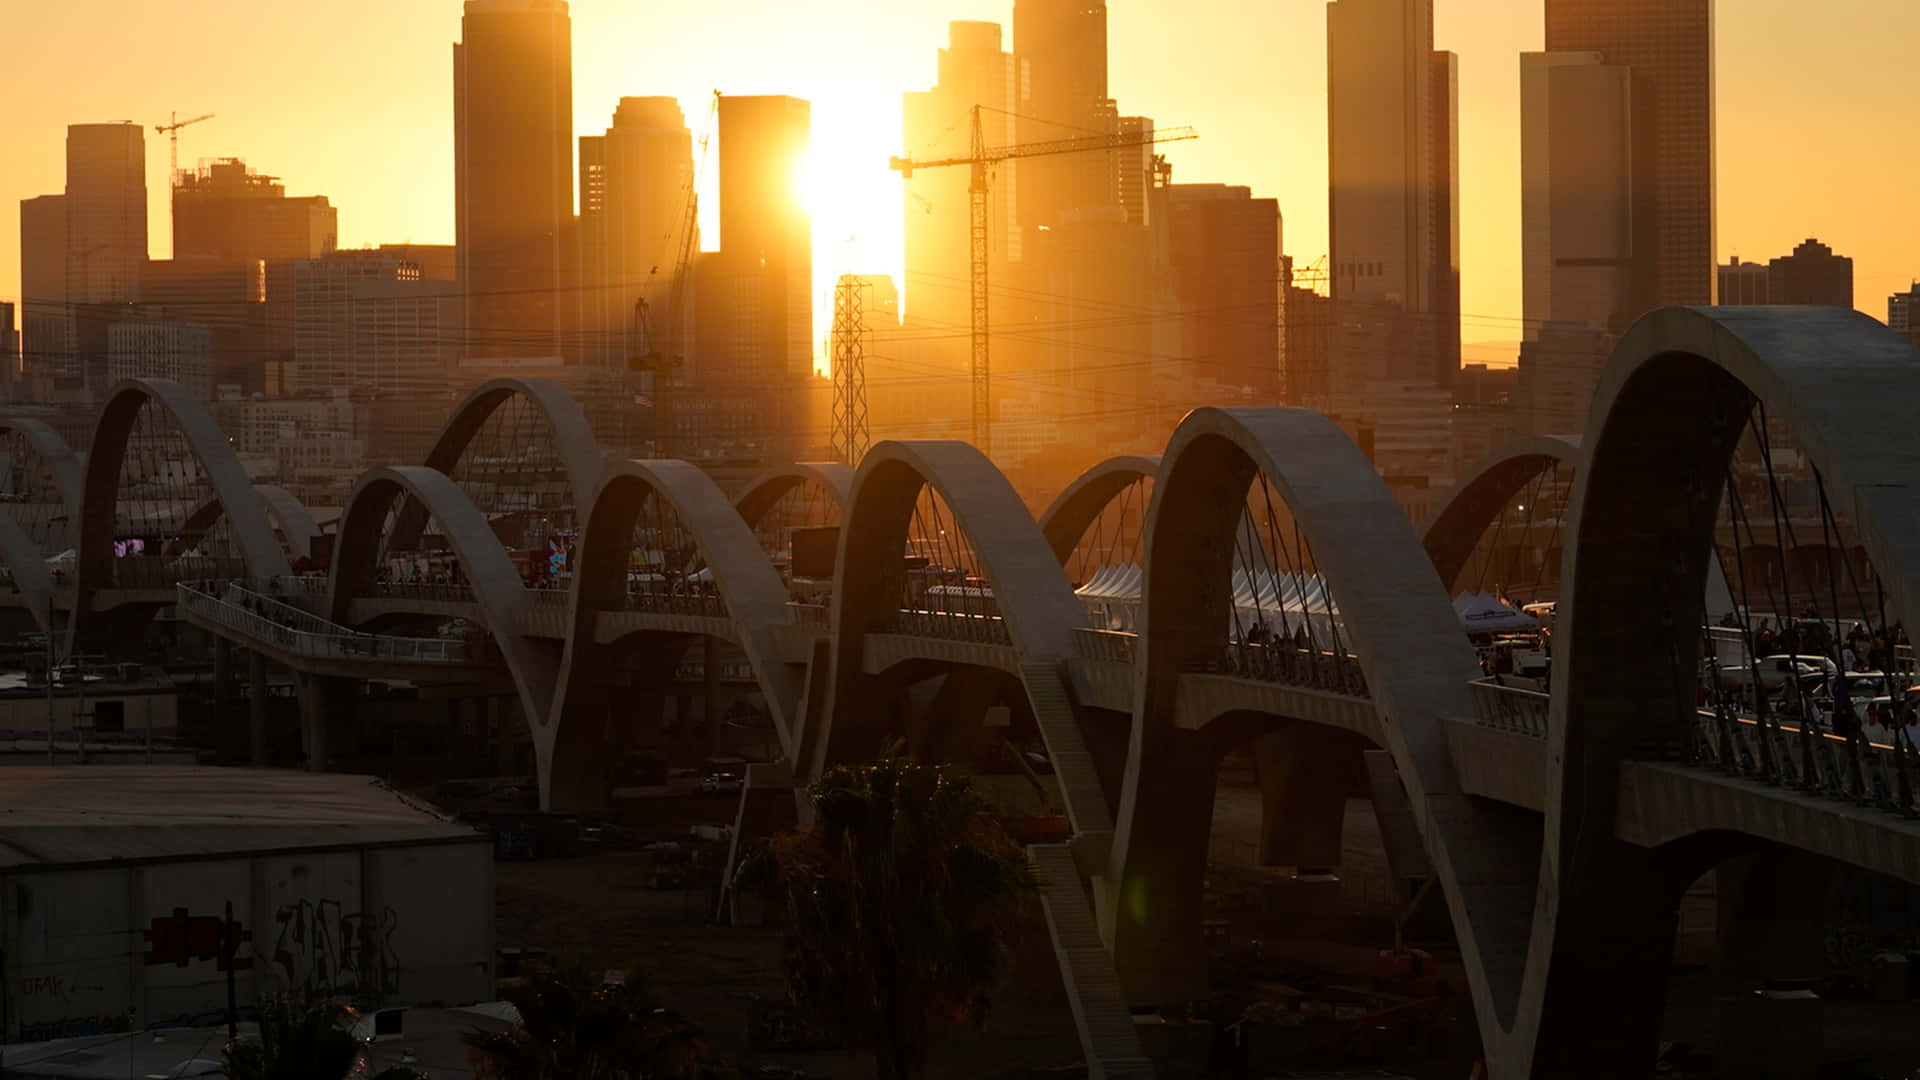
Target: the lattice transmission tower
pixel 850 436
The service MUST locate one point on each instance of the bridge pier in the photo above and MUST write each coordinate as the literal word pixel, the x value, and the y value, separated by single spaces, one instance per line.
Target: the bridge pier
pixel 1771 948
pixel 222 680
pixel 1306 772
pixel 1159 907
pixel 257 709
pixel 321 699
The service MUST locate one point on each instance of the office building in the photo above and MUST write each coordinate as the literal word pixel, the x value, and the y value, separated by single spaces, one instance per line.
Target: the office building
pixel 225 295
pixel 368 323
pixel 936 123
pixel 106 212
pixel 513 175
pixel 636 188
pixel 1224 252
pixel 9 351
pixel 1813 274
pixel 46 324
pixel 224 210
pixel 1903 313
pixel 153 348
pixel 1668 45
pixel 1060 57
pixel 1742 284
pixel 1392 194
pixel 1586 238
pixel 1559 370
pixel 753 334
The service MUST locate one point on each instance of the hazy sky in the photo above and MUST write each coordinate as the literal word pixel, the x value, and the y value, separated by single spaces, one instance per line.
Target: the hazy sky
pixel 353 99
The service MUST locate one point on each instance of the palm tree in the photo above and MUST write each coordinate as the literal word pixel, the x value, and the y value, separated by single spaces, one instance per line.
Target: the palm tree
pixel 577 1025
pixel 903 899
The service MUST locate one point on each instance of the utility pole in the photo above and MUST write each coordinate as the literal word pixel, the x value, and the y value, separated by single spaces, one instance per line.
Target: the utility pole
pixel 980 160
pixel 850 434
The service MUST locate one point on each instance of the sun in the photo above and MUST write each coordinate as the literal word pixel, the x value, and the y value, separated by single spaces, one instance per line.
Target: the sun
pixel 853 198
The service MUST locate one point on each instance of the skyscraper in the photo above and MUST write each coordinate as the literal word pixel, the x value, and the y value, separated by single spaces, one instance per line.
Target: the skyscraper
pixel 1669 44
pixel 1903 313
pixel 1224 250
pixel 106 212
pixel 635 185
pixel 1586 246
pixel 1392 196
pixel 513 175
pixel 46 323
pixel 753 348
pixel 1060 53
pixel 936 123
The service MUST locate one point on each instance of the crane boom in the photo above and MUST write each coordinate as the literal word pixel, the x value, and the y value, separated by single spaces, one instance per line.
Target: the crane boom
pixel 171 129
pixel 980 159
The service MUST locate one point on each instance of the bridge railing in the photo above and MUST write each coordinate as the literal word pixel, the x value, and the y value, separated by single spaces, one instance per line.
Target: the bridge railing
pixel 1882 773
pixel 1512 708
pixel 300 632
pixel 1106 646
pixel 1286 663
pixel 811 616
pixel 677 602
pixel 953 625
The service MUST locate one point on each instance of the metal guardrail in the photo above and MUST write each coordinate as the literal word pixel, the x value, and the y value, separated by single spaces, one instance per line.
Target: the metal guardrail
pixel 954 626
pixel 1512 708
pixel 811 616
pixel 666 602
pixel 300 632
pixel 1290 665
pixel 1848 768
pixel 1109 646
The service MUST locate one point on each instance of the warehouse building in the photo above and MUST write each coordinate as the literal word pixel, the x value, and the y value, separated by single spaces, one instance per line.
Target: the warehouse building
pixel 116 884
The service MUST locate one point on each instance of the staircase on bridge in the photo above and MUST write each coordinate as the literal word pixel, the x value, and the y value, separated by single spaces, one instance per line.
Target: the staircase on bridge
pixel 1073 764
pixel 1100 1012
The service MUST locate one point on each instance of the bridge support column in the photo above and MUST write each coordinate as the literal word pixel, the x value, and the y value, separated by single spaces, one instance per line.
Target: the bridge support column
pixel 222 680
pixel 1158 936
pixel 1771 949
pixel 578 761
pixel 257 709
pixel 710 694
pixel 321 699
pixel 1306 775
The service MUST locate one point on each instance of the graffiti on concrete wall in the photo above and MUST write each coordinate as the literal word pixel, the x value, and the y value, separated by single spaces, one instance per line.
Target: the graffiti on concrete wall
pixel 326 951
pixel 180 939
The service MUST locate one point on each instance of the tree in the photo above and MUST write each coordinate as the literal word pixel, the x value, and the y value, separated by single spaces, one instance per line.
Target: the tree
pixel 297 1041
pixel 903 899
pixel 577 1025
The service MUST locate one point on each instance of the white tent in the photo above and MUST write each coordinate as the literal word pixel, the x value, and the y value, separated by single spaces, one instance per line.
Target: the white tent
pixel 1485 613
pixel 1112 597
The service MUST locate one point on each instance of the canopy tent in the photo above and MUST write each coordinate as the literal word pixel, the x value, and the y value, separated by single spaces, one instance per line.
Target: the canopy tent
pixel 1112 597
pixel 1485 613
pixel 1276 605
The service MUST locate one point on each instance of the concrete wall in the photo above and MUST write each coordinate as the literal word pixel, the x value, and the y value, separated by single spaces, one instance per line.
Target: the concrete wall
pixel 26 713
pixel 131 947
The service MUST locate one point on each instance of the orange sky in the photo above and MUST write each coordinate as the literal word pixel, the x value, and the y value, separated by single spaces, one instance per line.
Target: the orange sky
pixel 352 99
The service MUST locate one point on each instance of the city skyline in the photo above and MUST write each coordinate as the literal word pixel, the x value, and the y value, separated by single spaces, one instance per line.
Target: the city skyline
pixel 1847 81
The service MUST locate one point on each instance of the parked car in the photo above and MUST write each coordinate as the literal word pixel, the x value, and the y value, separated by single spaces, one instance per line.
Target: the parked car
pixel 719 784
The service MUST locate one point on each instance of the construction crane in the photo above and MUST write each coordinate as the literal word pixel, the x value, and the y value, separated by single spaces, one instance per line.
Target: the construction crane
pixel 171 130
pixel 980 159
pixel 650 357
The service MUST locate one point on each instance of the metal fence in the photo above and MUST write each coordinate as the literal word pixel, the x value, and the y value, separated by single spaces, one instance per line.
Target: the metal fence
pixel 1512 708
pixel 677 602
pixel 1849 768
pixel 956 626
pixel 811 616
pixel 1289 664
pixel 1108 646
